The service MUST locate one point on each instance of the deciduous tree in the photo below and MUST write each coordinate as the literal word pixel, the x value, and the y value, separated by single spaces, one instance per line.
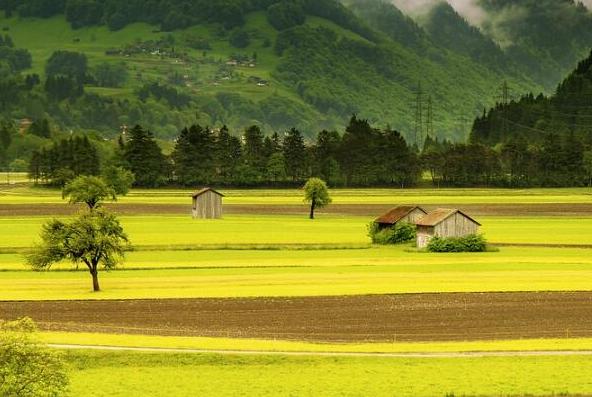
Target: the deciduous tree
pixel 317 194
pixel 27 367
pixel 94 239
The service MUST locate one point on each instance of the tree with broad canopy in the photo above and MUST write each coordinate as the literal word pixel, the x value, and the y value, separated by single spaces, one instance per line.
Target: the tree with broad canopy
pixel 95 238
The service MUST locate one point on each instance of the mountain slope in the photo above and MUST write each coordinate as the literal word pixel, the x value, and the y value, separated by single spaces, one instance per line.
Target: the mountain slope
pixel 302 63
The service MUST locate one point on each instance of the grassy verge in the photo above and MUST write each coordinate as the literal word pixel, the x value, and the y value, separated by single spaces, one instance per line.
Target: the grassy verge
pixel 178 375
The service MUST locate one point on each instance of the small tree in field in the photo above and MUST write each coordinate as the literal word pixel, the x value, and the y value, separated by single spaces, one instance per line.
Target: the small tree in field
pixel 317 194
pixel 27 367
pixel 90 190
pixel 94 238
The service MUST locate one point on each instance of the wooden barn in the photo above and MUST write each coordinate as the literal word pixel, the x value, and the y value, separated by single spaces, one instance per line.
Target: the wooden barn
pixel 445 223
pixel 207 204
pixel 404 213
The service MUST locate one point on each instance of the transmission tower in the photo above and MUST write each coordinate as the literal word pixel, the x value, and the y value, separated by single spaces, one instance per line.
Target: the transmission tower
pixel 418 115
pixel 463 122
pixel 504 98
pixel 430 119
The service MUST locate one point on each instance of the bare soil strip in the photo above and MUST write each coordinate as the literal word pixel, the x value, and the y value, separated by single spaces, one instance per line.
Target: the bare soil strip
pixel 372 318
pixel 370 210
pixel 531 353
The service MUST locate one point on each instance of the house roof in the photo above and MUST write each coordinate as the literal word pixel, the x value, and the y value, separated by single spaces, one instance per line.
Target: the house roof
pixel 205 190
pixel 397 213
pixel 440 215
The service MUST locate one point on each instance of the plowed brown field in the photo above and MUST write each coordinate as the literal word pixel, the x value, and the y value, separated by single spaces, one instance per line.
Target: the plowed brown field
pixel 371 210
pixel 411 317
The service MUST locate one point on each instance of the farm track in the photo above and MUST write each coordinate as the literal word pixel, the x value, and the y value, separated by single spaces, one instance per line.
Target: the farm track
pixel 476 354
pixel 371 210
pixel 372 318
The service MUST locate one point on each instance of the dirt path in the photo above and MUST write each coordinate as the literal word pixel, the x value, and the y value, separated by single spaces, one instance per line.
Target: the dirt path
pixel 373 318
pixel 370 210
pixel 533 353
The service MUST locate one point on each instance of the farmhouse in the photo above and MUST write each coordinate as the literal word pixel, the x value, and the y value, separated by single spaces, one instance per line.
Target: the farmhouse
pixel 207 204
pixel 444 223
pixel 404 213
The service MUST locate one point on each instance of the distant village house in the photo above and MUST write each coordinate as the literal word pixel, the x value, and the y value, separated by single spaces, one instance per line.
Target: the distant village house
pixel 445 223
pixel 207 204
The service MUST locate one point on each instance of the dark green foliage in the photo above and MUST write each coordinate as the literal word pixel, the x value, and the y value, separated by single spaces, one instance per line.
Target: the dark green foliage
pixel 61 87
pixel 286 14
pixel 543 139
pixel 401 232
pixel 144 158
pixel 253 150
pixel 110 74
pixel 39 8
pixel 67 63
pixel 472 243
pixel 82 13
pixel 194 156
pixel 294 152
pixel 18 58
pixel 239 38
pixel 170 94
pixel 40 128
pixel 65 159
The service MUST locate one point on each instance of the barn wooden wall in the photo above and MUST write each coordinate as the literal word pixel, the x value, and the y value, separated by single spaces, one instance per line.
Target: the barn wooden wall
pixel 414 216
pixel 207 206
pixel 455 226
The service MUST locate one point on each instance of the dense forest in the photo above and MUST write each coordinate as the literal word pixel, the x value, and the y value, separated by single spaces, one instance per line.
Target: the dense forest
pixel 525 130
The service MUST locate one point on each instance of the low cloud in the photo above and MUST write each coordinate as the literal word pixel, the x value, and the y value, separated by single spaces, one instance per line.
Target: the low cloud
pixel 469 9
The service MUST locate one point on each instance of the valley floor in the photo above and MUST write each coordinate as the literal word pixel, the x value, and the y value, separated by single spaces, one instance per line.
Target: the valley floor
pixel 266 279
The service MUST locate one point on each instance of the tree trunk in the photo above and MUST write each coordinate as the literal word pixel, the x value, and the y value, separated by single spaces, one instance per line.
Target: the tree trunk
pixel 312 206
pixel 95 277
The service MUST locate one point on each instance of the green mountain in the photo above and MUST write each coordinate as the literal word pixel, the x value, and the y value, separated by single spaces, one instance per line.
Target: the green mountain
pixel 308 64
pixel 534 119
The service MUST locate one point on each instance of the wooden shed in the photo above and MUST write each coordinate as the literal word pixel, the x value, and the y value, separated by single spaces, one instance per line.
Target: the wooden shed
pixel 445 222
pixel 207 204
pixel 404 213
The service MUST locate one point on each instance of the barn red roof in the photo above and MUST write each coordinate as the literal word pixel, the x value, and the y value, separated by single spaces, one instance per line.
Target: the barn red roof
pixel 440 215
pixel 205 190
pixel 397 213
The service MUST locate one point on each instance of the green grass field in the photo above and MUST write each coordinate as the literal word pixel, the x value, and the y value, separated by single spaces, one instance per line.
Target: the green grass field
pixel 176 231
pixel 309 273
pixel 158 374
